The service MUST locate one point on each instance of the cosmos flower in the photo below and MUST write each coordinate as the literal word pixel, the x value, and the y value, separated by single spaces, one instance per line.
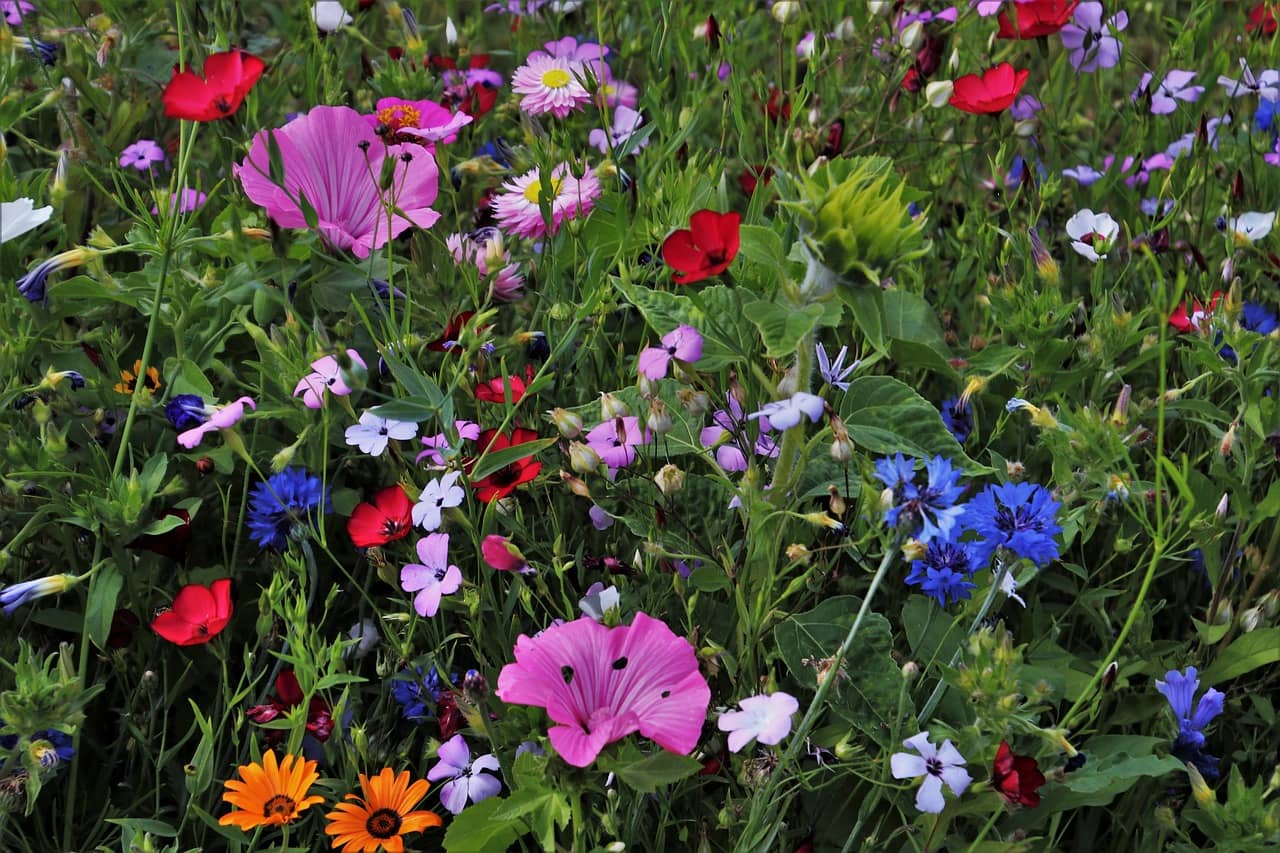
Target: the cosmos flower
pixel 1090 41
pixel 286 507
pixel 937 765
pixel 518 207
pixel 270 794
pixel 434 577
pixel 683 343
pixel 19 216
pixel 468 781
pixel 332 163
pixel 550 84
pixel 765 718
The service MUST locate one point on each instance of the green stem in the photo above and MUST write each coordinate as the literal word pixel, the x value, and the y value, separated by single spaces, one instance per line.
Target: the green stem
pixel 793 441
pixel 985 829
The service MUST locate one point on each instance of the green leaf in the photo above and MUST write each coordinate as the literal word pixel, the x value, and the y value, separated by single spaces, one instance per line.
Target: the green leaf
pixel 866 694
pixel 1245 654
pixel 539 806
pixel 656 770
pixel 865 302
pixel 476 831
pixel 137 824
pixel 761 245
pixel 709 579
pixel 416 410
pixel 915 337
pixel 782 327
pixel 500 459
pixel 886 416
pixel 716 312
pixel 104 589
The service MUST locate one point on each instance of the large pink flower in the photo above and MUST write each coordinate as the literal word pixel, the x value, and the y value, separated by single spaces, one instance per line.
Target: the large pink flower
pixel 333 159
pixel 601 684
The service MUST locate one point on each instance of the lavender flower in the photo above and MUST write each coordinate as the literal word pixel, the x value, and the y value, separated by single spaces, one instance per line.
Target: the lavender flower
pixel 1176 86
pixel 1090 41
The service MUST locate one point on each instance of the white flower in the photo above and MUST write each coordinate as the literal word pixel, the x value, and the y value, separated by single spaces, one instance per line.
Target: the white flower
pixel 20 216
pixel 329 15
pixel 599 601
pixel 767 718
pixel 936 765
pixel 438 495
pixel 1265 85
pixel 784 414
pixel 372 433
pixel 1009 586
pixel 1092 234
pixel 1251 227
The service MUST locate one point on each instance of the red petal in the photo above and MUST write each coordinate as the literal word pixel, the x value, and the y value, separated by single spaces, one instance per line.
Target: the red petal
pixel 681 252
pixel 394 503
pixel 187 97
pixel 221 590
pixel 195 604
pixel 365 526
pixel 177 630
pixel 287 689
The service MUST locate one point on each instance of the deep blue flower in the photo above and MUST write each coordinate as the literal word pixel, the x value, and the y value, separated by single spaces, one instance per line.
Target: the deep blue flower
pixel 930 509
pixel 498 151
pixel 285 506
pixel 958 418
pixel 1258 318
pixel 1180 690
pixel 416 694
pixel 1265 118
pixel 186 411
pixel 895 472
pixel 1188 751
pixel 1021 517
pixel 944 572
pixel 51 747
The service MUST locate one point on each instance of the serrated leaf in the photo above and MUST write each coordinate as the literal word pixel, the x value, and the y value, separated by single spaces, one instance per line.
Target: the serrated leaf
pixel 716 312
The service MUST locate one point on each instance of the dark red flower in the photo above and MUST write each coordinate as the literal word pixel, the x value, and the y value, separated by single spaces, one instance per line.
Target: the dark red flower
pixel 385 520
pixel 198 614
pixel 289 695
pixel 495 390
pixel 1262 19
pixel 448 715
pixel 752 178
pixel 504 481
pixel 228 77
pixel 1188 316
pixel 778 107
pixel 1016 777
pixel 990 93
pixel 927 60
pixel 172 543
pixel 705 248
pixel 1037 18
pixel 448 341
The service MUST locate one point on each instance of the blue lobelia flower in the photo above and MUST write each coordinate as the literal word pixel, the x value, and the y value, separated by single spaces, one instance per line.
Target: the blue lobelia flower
pixel 285 506
pixel 1021 517
pixel 1188 747
pixel 944 573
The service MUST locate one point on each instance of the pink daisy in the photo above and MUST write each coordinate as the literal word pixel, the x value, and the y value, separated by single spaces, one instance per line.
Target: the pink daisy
pixel 517 208
pixel 550 84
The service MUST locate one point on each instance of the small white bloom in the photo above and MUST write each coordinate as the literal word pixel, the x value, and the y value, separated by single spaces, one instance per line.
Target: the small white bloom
pixel 784 414
pixel 1009 586
pixel 937 765
pixel 1092 234
pixel 372 433
pixel 20 216
pixel 766 718
pixel 329 15
pixel 437 496
pixel 1251 227
pixel 599 601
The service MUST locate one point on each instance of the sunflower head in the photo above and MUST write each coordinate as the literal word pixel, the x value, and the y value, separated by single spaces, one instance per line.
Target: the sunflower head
pixel 270 793
pixel 383 816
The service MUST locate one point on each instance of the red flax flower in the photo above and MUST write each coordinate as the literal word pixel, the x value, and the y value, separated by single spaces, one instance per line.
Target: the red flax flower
pixel 1262 19
pixel 495 390
pixel 1037 18
pixel 503 482
pixel 1016 777
pixel 228 77
pixel 198 614
pixel 385 520
pixel 990 93
pixel 705 248
pixel 1188 316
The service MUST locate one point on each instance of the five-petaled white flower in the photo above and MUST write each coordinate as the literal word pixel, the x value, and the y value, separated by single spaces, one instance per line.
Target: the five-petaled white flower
pixel 1251 227
pixel 436 496
pixel 372 433
pixel 767 718
pixel 784 414
pixel 1092 234
pixel 936 765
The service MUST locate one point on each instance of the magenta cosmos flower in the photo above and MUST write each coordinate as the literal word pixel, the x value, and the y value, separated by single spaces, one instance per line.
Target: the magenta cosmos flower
pixel 550 84
pixel 417 121
pixel 333 159
pixel 601 684
pixel 518 210
pixel 682 343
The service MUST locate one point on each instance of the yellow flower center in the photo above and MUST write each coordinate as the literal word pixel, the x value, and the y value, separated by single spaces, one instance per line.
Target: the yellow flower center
pixel 280 805
pixel 556 78
pixel 533 192
pixel 401 115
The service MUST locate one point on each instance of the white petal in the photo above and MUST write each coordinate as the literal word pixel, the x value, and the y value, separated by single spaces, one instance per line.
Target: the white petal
pixel 957 778
pixel 20 216
pixel 907 766
pixel 929 797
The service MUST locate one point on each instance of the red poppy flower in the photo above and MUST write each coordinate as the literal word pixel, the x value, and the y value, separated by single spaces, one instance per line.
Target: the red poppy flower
pixel 990 93
pixel 1037 18
pixel 228 77
pixel 705 248
pixel 503 482
pixel 385 520
pixel 1016 777
pixel 1188 316
pixel 172 543
pixel 1262 19
pixel 199 613
pixel 289 695
pixel 495 390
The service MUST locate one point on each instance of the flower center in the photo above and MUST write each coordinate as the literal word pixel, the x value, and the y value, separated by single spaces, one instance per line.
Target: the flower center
pixel 440 573
pixel 1015 520
pixel 556 78
pixel 933 766
pixel 279 805
pixel 401 115
pixel 533 192
pixel 384 823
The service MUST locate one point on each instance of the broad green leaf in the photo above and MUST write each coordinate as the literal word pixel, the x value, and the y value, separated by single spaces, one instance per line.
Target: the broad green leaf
pixel 499 459
pixel 104 589
pixel 761 245
pixel 476 830
pixel 868 312
pixel 716 312
pixel 886 416
pixel 782 327
pixel 1114 764
pixel 649 773
pixel 1245 654
pixel 417 410
pixel 540 807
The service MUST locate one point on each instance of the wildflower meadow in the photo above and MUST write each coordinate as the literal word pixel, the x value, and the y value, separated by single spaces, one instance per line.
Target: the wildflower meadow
pixel 607 425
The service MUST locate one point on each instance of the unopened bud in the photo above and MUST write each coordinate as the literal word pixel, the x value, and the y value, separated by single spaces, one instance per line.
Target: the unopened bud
pixel 1120 414
pixel 696 403
pixel 569 423
pixel 670 479
pixel 886 500
pixel 797 553
pixel 1225 614
pixel 1221 510
pixel 1109 675
pixel 938 93
pixel 785 10
pixel 450 31
pixel 910 670
pixel 1199 789
pixel 578 487
pixel 1271 603
pixel 1228 440
pixel 659 420
pixel 841 445
pixel 583 459
pixel 648 388
pixel 611 407
pixel 1250 619
pixel 912 36
pixel 914 549
pixel 880 7
pixel 836 502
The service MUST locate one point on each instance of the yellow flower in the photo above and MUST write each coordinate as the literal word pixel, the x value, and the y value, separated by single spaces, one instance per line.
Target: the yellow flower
pixel 384 815
pixel 268 794
pixel 129 378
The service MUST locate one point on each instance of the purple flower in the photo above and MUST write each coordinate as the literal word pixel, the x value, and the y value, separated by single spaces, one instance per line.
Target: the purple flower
pixel 434 577
pixel 1265 85
pixel 927 17
pixel 730 455
pixel 467 781
pixel 784 414
pixel 835 373
pixel 1180 690
pixel 626 122
pixel 1156 206
pixel 1090 41
pixel 13 11
pixel 1025 107
pixel 142 155
pixel 682 343
pixel 1176 86
pixel 765 718
pixel 188 200
pixel 615 441
pixel 937 765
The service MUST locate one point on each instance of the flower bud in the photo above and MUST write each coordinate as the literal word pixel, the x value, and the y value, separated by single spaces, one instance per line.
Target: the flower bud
pixel 797 553
pixel 1228 440
pixel 910 670
pixel 670 479
pixel 648 388
pixel 785 11
pixel 938 93
pixel 1109 675
pixel 912 36
pixel 841 445
pixel 880 7
pixel 578 487
pixel 821 519
pixel 659 420
pixel 568 423
pixel 836 502
pixel 611 407
pixel 844 30
pixel 1271 603
pixel 886 500
pixel 913 549
pixel 583 459
pixel 1225 614
pixel 696 403
pixel 1199 789
pixel 1250 619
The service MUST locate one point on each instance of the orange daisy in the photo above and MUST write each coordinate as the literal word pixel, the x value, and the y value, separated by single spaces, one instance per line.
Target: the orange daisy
pixel 268 794
pixel 129 378
pixel 383 816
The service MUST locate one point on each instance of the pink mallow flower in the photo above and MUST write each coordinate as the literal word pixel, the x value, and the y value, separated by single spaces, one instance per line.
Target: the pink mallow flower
pixel 417 121
pixel 682 343
pixel 225 418
pixel 326 375
pixel 601 684
pixel 333 159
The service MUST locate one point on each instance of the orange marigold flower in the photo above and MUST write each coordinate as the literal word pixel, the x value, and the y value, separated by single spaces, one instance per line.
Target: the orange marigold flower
pixel 383 816
pixel 270 794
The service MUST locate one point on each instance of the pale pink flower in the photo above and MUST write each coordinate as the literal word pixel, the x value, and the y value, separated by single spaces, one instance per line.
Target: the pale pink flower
pixel 517 207
pixel 434 578
pixel 683 343
pixel 225 418
pixel 326 375
pixel 550 84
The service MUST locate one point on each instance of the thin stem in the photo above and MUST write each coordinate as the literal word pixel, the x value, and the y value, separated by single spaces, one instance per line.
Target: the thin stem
pixel 985 829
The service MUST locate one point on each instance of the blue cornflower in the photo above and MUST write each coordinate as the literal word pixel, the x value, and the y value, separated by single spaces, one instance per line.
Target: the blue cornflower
pixel 416 693
pixel 931 507
pixel 944 572
pixel 1265 118
pixel 1180 690
pixel 1021 517
pixel 186 411
pixel 284 506
pixel 958 418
